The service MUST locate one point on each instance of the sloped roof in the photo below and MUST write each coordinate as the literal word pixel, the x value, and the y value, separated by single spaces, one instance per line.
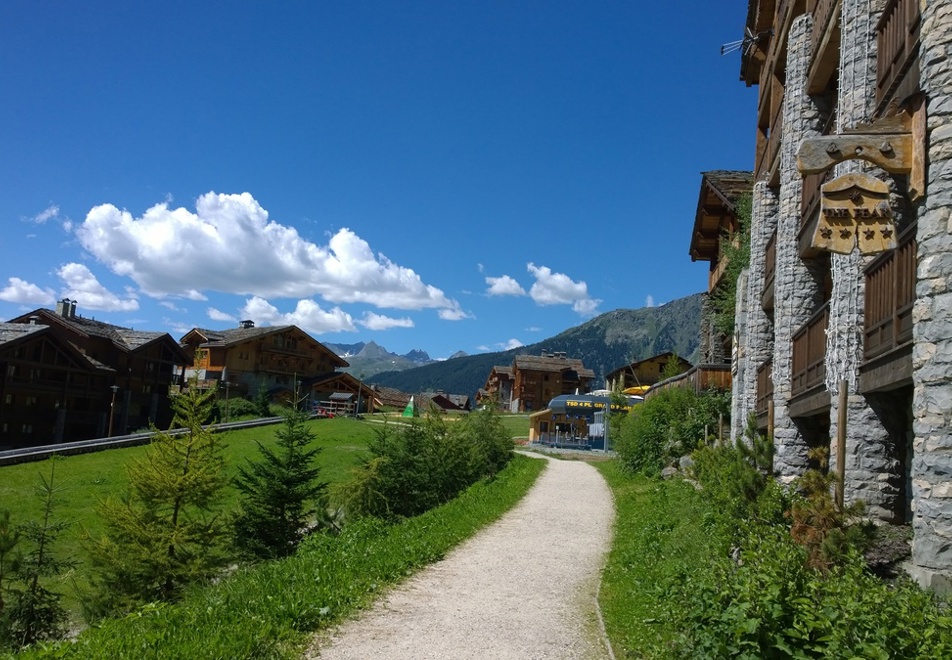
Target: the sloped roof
pixel 127 339
pixel 552 364
pixel 13 332
pixel 717 209
pixel 234 336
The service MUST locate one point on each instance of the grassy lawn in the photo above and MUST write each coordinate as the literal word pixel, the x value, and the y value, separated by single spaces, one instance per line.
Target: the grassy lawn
pixel 272 610
pixel 663 536
pixel 88 478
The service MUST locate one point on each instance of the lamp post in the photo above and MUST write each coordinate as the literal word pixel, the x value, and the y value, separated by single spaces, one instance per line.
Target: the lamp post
pixel 112 408
pixel 227 389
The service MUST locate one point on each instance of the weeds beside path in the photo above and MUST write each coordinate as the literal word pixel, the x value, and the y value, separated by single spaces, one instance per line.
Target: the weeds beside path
pixel 522 588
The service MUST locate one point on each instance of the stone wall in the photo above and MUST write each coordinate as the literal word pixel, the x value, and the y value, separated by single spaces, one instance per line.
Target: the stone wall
pixel 932 330
pixel 798 284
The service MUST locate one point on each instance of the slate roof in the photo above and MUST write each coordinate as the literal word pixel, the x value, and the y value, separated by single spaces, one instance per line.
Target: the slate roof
pixel 13 331
pixel 233 336
pixel 128 339
pixel 552 364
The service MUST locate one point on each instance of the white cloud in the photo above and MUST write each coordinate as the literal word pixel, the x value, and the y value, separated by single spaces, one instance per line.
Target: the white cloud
pixel 504 286
pixel 649 301
pixel 379 322
pixel 168 304
pixel 81 285
pixel 26 293
pixel 218 315
pixel 454 313
pixel 50 212
pixel 559 289
pixel 533 328
pixel 512 343
pixel 307 315
pixel 229 245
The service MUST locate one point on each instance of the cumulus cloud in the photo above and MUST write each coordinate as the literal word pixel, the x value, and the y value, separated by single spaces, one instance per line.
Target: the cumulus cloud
pixel 373 321
pixel 512 343
pixel 218 315
pixel 559 289
pixel 454 313
pixel 649 301
pixel 81 285
pixel 307 315
pixel 229 245
pixel 504 286
pixel 26 293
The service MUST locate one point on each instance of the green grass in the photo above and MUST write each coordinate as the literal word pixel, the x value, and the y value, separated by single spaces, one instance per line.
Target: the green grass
pixel 272 610
pixel 663 534
pixel 88 478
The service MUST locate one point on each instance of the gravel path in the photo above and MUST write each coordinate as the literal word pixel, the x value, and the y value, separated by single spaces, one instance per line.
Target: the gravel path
pixel 522 588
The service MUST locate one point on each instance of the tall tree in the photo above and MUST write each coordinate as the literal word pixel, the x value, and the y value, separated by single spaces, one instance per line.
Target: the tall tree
pixel 280 492
pixel 166 532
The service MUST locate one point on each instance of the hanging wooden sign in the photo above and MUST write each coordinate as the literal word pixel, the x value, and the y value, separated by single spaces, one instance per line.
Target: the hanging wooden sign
pixel 855 211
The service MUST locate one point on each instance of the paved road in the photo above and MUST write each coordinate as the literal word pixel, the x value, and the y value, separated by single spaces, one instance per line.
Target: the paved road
pixel 523 588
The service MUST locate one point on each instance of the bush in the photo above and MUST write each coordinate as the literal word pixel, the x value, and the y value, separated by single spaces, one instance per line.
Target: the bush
pixel 237 408
pixel 669 424
pixel 416 467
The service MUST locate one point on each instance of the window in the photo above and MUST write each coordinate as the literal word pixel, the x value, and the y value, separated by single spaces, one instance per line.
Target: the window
pixel 31 401
pixel 12 370
pixel 27 429
pixel 8 399
pixel 146 389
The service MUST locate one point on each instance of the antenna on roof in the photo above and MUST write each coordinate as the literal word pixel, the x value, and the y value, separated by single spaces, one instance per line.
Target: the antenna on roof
pixel 747 43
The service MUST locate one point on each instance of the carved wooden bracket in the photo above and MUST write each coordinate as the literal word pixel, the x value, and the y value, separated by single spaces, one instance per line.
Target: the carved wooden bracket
pixel 896 144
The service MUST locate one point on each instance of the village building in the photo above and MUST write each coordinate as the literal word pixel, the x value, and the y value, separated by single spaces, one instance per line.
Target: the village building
pixel 284 361
pixel 844 329
pixel 498 389
pixel 135 370
pixel 537 379
pixel 636 378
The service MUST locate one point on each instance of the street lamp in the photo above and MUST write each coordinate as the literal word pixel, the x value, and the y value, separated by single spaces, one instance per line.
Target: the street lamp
pixel 112 408
pixel 227 389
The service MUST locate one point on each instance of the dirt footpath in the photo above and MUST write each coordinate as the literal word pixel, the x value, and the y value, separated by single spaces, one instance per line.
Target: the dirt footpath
pixel 523 588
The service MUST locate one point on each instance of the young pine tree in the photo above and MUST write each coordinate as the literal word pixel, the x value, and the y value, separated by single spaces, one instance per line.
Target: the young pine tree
pixel 166 532
pixel 280 492
pixel 34 612
pixel 9 559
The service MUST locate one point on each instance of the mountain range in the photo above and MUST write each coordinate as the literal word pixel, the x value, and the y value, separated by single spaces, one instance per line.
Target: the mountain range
pixel 604 343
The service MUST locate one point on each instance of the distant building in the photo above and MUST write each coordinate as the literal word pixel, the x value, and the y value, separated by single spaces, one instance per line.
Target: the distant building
pixel 283 360
pixel 498 388
pixel 644 372
pixel 537 379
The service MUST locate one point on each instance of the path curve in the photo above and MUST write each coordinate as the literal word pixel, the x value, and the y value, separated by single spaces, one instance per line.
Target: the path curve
pixel 524 587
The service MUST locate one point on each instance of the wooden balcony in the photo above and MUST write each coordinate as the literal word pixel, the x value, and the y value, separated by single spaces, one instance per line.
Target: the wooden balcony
pixel 768 160
pixel 765 392
pixel 825 43
pixel 809 365
pixel 887 328
pixel 700 378
pixel 897 64
pixel 770 272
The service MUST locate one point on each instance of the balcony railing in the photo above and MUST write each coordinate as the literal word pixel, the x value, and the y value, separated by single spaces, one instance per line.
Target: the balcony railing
pixel 890 295
pixel 810 200
pixel 898 48
pixel 765 389
pixel 809 352
pixel 770 263
pixel 822 15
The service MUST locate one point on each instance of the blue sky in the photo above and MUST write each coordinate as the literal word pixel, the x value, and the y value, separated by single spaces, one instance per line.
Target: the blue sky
pixel 436 175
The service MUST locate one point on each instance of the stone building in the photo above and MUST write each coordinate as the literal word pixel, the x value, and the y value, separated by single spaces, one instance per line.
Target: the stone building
pixel 846 316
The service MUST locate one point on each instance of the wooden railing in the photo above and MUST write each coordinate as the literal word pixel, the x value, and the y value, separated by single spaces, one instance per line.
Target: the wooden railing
pixel 898 45
pixel 765 389
pixel 822 15
pixel 700 378
pixel 809 352
pixel 890 295
pixel 772 148
pixel 770 263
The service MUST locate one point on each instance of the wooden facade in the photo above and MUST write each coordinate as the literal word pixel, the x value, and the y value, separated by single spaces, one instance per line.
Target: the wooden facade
pixel 539 379
pixel 146 365
pixel 497 390
pixel 699 378
pixel 284 360
pixel 643 372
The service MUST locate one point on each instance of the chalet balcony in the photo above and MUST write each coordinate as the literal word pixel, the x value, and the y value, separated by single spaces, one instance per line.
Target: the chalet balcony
pixel 897 65
pixel 810 198
pixel 765 392
pixel 825 43
pixel 808 394
pixel 890 296
pixel 768 159
pixel 699 378
pixel 770 272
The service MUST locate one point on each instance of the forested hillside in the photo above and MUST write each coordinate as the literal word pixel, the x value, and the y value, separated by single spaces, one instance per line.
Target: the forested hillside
pixel 603 344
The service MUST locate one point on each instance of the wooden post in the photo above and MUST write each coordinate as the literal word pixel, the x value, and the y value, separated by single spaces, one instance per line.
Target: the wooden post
pixel 720 429
pixel 770 419
pixel 841 442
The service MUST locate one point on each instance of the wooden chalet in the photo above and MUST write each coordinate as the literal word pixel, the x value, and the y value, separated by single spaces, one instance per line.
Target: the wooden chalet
pixel 146 365
pixel 537 379
pixel 284 360
pixel 51 392
pixel 498 388
pixel 643 372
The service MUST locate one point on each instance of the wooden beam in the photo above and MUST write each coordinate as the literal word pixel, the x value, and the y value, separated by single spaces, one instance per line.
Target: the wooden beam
pixel 891 152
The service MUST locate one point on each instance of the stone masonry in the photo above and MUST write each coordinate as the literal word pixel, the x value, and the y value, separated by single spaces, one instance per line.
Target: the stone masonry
pixel 932 319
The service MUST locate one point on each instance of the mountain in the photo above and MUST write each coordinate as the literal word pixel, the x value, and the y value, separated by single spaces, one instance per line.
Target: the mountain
pixel 605 343
pixel 368 359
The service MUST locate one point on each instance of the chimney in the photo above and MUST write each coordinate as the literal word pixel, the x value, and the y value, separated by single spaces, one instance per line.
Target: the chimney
pixel 244 325
pixel 62 308
pixel 34 319
pixel 72 309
